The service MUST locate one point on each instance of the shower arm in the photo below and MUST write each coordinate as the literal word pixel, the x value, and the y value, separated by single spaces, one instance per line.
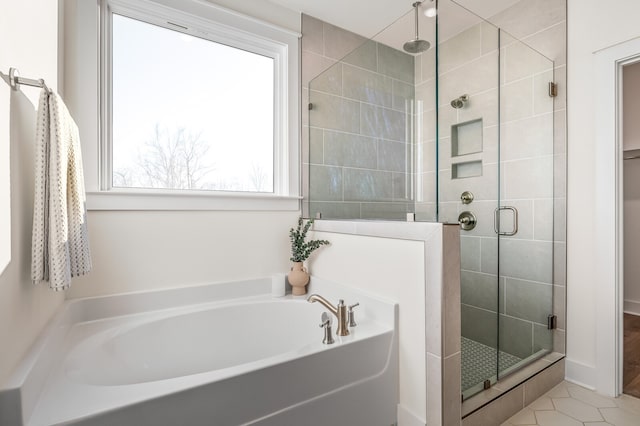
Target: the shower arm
pixel 415 6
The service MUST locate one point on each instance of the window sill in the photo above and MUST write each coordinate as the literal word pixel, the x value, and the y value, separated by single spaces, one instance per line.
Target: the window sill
pixel 139 200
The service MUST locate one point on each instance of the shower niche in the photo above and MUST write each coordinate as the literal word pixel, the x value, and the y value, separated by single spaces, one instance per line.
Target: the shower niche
pixel 467 169
pixel 466 138
pixel 389 134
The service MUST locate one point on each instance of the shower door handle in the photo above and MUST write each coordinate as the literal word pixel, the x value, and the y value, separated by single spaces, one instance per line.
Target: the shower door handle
pixel 496 221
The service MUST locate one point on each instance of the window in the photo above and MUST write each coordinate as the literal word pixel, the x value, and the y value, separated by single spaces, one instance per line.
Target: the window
pixel 199 109
pixel 189 113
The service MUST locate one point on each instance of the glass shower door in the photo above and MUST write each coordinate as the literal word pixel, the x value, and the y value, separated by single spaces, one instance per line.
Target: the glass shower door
pixel 360 135
pixel 524 217
pixel 495 178
pixel 468 64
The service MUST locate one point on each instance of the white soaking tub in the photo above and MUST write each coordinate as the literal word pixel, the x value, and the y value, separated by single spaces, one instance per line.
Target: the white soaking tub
pixel 221 354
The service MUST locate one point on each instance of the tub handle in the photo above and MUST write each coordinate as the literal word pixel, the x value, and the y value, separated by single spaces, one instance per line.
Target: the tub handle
pixel 351 316
pixel 326 324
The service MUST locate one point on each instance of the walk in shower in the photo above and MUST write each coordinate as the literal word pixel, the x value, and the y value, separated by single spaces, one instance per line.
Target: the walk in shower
pixel 460 133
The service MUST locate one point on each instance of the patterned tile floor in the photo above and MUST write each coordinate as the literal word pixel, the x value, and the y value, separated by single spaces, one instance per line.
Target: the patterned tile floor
pixel 572 405
pixel 479 362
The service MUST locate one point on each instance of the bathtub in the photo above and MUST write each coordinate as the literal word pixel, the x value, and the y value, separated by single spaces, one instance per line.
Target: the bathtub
pixel 220 354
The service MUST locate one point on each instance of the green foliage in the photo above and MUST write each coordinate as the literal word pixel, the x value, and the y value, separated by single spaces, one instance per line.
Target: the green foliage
pixel 301 250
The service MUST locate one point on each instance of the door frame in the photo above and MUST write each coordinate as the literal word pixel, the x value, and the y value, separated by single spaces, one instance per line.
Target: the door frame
pixel 608 213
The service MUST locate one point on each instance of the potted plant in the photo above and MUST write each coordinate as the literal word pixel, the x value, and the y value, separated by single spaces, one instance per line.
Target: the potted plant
pixel 300 251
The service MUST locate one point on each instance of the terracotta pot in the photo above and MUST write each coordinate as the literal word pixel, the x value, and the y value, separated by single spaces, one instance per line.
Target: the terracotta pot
pixel 298 278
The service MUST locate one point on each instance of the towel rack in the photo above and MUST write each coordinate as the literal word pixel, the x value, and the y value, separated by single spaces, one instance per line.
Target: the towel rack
pixel 15 80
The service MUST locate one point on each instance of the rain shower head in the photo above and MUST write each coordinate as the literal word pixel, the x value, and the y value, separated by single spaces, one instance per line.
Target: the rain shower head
pixel 459 102
pixel 416 45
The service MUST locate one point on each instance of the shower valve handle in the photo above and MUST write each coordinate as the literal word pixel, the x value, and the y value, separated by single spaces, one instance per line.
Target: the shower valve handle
pixel 467 220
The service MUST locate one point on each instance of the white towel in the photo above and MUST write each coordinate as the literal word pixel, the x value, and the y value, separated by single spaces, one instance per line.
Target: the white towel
pixel 60 243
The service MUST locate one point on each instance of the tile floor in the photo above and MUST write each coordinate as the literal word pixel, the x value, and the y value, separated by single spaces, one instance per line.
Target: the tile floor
pixel 572 405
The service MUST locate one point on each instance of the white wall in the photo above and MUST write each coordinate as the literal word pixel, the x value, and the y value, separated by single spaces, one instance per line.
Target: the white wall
pixel 264 10
pixel 145 250
pixel 590 28
pixel 417 265
pixel 391 268
pixel 29 42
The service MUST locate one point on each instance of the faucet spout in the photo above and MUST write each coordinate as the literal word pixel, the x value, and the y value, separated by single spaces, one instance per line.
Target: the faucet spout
pixel 339 311
pixel 324 302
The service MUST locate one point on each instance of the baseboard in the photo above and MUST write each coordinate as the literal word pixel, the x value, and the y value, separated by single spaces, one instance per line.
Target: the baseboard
pixel 580 374
pixel 631 307
pixel 407 418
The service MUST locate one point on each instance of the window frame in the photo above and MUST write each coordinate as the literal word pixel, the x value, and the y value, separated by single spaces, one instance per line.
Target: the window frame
pixel 211 22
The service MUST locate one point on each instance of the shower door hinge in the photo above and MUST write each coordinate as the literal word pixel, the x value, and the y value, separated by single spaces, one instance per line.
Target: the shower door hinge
pixel 552 322
pixel 310 106
pixel 553 89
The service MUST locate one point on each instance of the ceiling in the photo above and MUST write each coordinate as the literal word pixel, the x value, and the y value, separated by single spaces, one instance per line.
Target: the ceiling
pixel 370 17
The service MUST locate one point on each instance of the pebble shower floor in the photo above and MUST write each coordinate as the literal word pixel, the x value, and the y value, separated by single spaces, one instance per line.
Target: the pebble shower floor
pixel 479 362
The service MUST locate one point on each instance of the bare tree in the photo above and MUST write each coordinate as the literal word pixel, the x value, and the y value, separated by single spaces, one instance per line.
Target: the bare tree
pixel 174 161
pixel 258 176
pixel 123 177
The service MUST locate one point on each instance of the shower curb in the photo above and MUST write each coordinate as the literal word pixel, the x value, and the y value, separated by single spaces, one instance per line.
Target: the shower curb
pixel 507 397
